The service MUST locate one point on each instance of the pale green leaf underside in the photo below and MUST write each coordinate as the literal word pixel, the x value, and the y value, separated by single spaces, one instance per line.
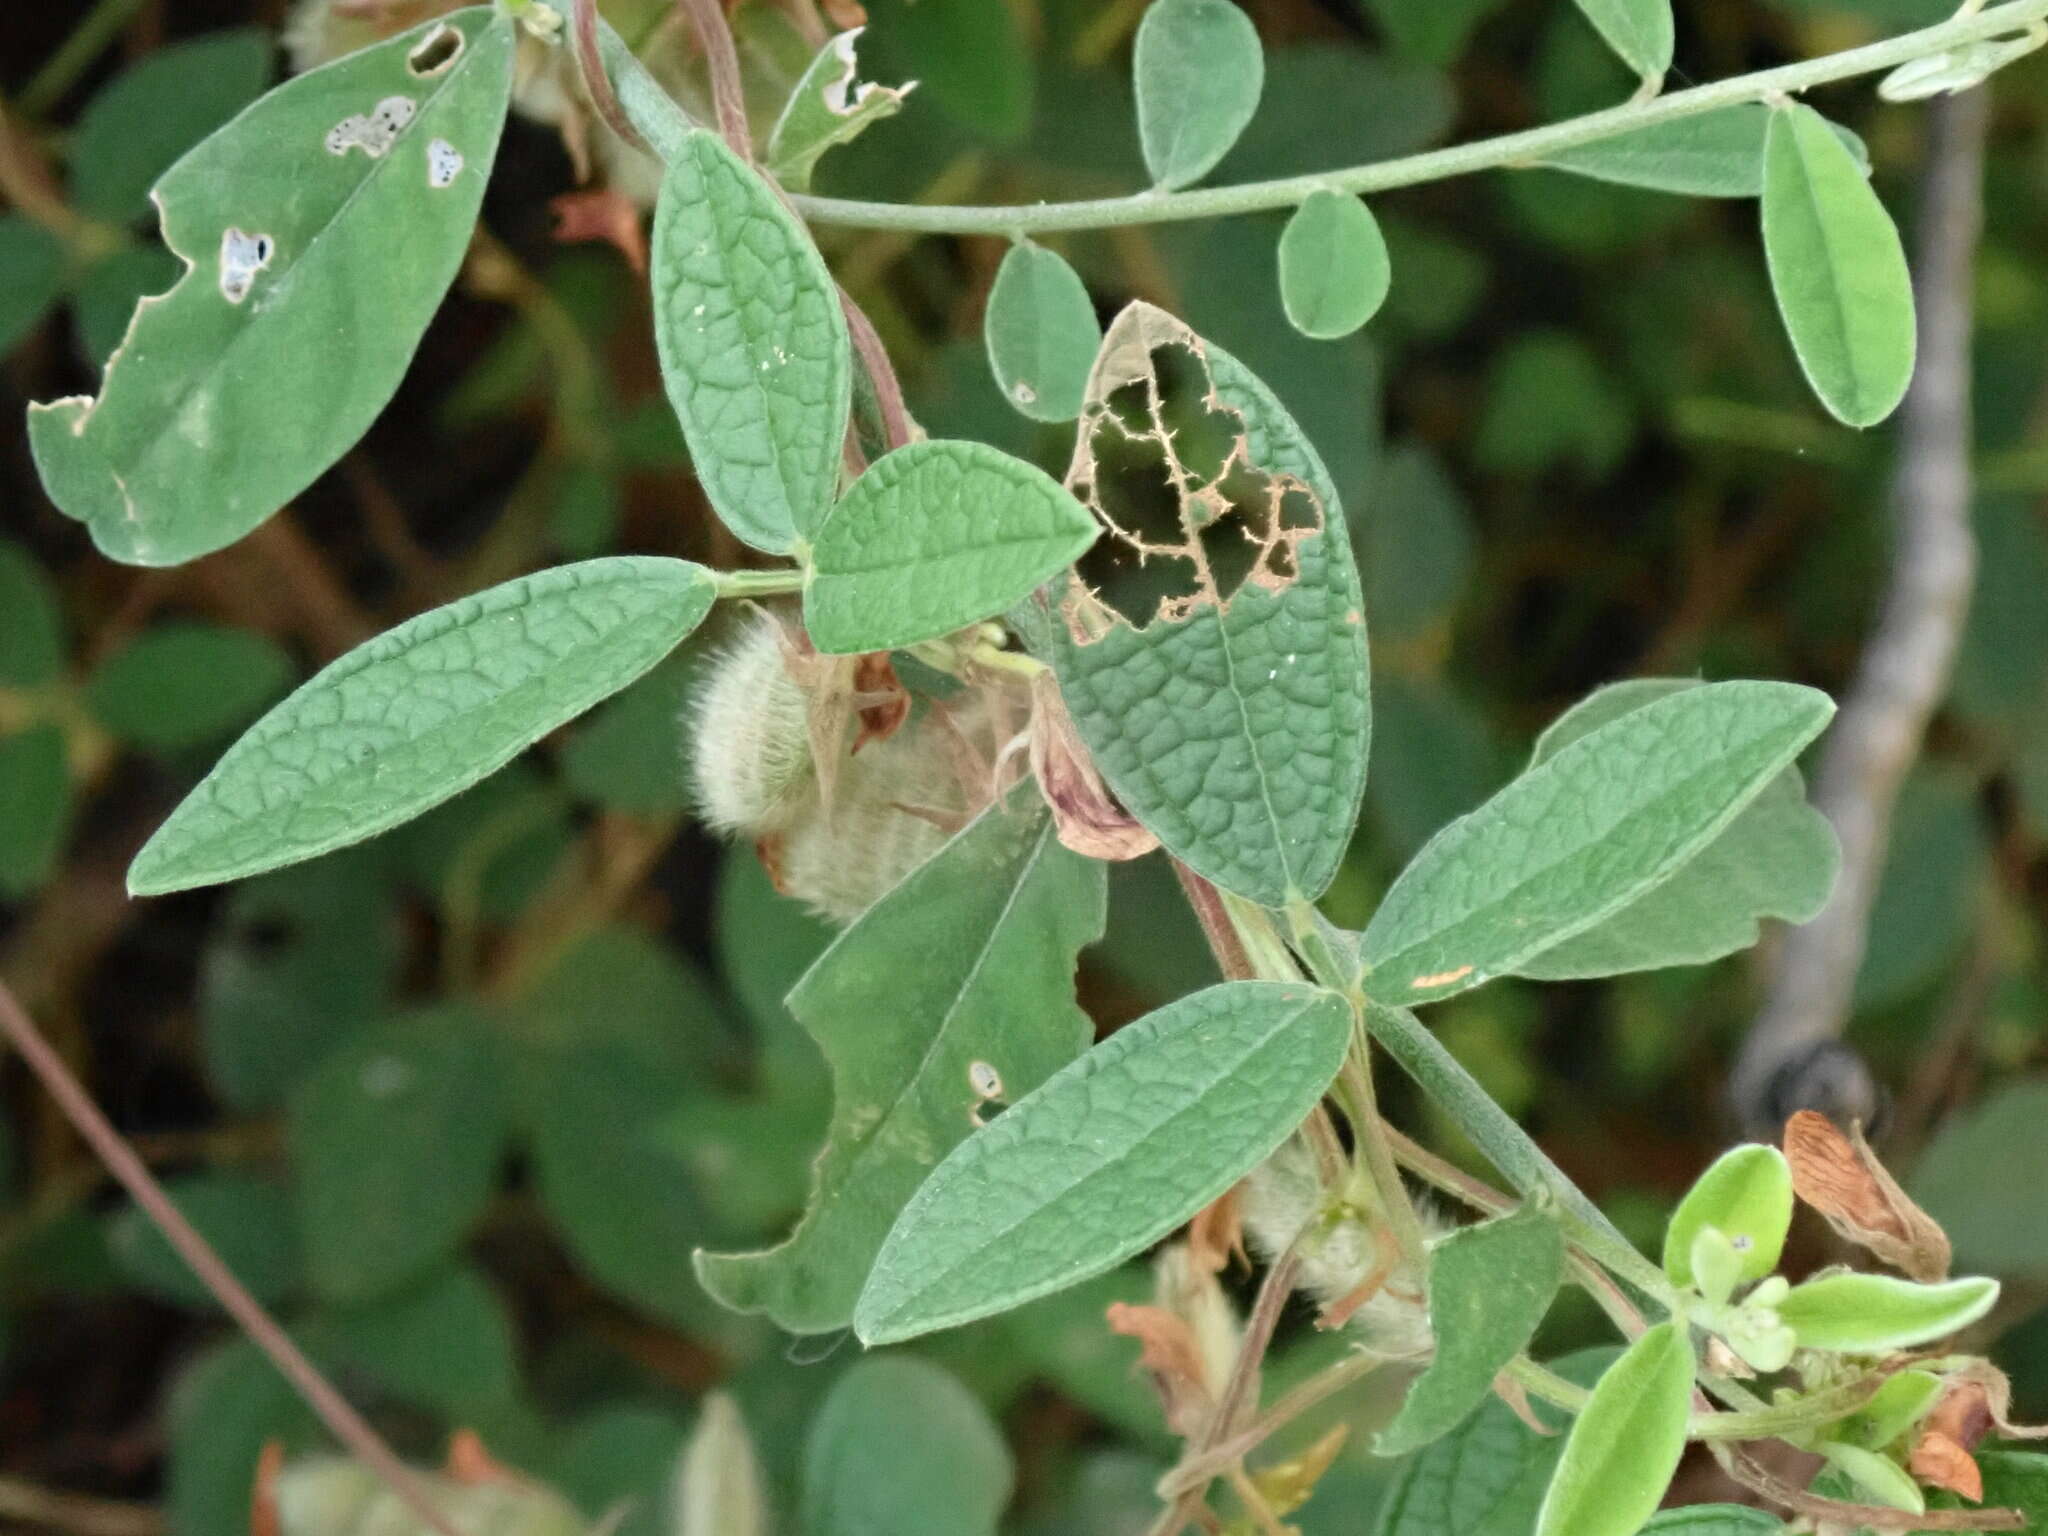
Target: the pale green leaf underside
pixel 1041 332
pixel 1198 70
pixel 971 959
pixel 314 266
pixel 1240 737
pixel 1334 270
pixel 753 346
pixel 1640 31
pixel 1108 1156
pixel 1872 1314
pixel 1489 1286
pixel 1622 1449
pixel 1777 859
pixel 421 712
pixel 899 1446
pixel 1711 154
pixel 1576 839
pixel 933 537
pixel 1837 268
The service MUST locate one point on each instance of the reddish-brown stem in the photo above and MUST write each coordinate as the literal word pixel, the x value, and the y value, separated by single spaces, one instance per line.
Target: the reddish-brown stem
pixel 867 345
pixel 335 1411
pixel 1841 1514
pixel 722 60
pixel 583 32
pixel 1217 927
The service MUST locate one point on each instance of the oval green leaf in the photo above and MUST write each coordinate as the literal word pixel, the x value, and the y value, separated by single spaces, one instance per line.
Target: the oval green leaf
pixel 1575 840
pixel 185 683
pixel 1489 1286
pixel 1198 69
pixel 35 787
pixel 31 621
pixel 1747 1195
pixel 932 538
pixel 339 205
pixel 1334 270
pixel 1710 154
pixel 753 345
pixel 1640 31
pixel 1715 1520
pixel 1042 333
pixel 1870 1314
pixel 899 1445
pixel 1625 1444
pixel 1107 1157
pixel 1837 268
pixel 421 713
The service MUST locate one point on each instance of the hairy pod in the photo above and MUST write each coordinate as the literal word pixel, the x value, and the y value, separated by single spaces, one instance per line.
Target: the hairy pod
pixel 750 735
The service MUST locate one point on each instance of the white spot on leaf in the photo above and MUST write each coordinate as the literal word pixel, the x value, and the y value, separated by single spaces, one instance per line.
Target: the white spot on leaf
pixel 242 256
pixel 444 163
pixel 372 132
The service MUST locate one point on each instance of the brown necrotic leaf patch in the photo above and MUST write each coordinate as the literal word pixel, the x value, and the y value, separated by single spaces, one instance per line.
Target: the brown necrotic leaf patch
pixel 1166 465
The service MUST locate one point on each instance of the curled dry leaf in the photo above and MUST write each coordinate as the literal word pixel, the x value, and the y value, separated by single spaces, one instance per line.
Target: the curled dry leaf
pixel 1979 1399
pixel 1085 815
pixel 880 701
pixel 1939 1462
pixel 1216 1235
pixel 1168 1350
pixel 1840 1177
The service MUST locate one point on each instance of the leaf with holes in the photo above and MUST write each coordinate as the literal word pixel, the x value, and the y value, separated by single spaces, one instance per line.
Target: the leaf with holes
pixel 1625 1444
pixel 1489 1286
pixel 1576 839
pixel 1776 860
pixel 339 205
pixel 1640 31
pixel 1837 268
pixel 960 979
pixel 753 345
pixel 1042 333
pixel 1215 664
pixel 1334 270
pixel 1107 1157
pixel 932 538
pixel 831 105
pixel 1198 69
pixel 422 712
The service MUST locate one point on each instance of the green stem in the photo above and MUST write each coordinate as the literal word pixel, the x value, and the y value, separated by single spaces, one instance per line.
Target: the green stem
pixel 758 583
pixel 1542 1382
pixel 1789 1418
pixel 1531 146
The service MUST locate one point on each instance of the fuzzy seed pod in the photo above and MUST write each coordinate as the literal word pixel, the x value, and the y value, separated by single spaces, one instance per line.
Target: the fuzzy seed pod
pixel 1341 1252
pixel 750 735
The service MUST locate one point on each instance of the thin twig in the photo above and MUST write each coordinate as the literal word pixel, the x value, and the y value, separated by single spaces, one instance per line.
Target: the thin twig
pixel 597 82
pixel 728 99
pixel 335 1411
pixel 76 1513
pixel 1905 667
pixel 1747 1471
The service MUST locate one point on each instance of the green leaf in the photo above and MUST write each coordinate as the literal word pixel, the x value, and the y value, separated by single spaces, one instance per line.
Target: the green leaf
pixel 1042 333
pixel 1994 1223
pixel 1233 722
pixel 1414 544
pixel 1715 1520
pixel 830 106
pixel 31 620
pixel 623 756
pixel 629 1453
pixel 1489 1286
pixel 1877 1477
pixel 421 713
pixel 936 536
pixel 1575 840
pixel 446 1344
pixel 1873 1314
pixel 974 59
pixel 31 276
pixel 322 211
pixel 1435 33
pixel 1550 404
pixel 1392 107
pixel 1486 1477
pixel 1746 1195
pixel 1055 1190
pixel 1334 269
pixel 184 684
pixel 1893 1409
pixel 764 943
pixel 247 1220
pixel 1198 69
pixel 753 346
pixel 1837 268
pixel 899 1446
pixel 967 964
pixel 143 119
pixel 395 1144
pixel 1625 1444
pixel 1777 859
pixel 35 806
pixel 1640 31
pixel 1937 866
pixel 1710 154
pixel 718 1485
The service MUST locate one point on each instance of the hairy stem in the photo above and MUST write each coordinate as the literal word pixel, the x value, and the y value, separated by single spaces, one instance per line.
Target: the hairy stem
pixel 1529 147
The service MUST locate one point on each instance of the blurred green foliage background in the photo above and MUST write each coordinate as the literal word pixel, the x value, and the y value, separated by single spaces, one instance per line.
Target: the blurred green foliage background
pixel 461 1102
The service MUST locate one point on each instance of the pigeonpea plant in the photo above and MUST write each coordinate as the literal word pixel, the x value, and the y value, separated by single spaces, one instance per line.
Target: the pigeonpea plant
pixel 962 686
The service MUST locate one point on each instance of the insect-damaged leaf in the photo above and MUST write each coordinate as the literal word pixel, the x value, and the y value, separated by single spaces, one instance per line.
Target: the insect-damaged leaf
pixel 1198 70
pixel 1213 650
pixel 1837 268
pixel 830 106
pixel 753 346
pixel 1042 333
pixel 933 537
pixel 421 712
pixel 1579 837
pixel 960 979
pixel 338 206
pixel 1111 1154
pixel 1777 859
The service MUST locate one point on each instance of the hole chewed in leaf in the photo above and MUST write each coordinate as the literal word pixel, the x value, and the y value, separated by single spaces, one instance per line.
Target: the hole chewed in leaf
pixel 1166 465
pixel 436 52
pixel 242 256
